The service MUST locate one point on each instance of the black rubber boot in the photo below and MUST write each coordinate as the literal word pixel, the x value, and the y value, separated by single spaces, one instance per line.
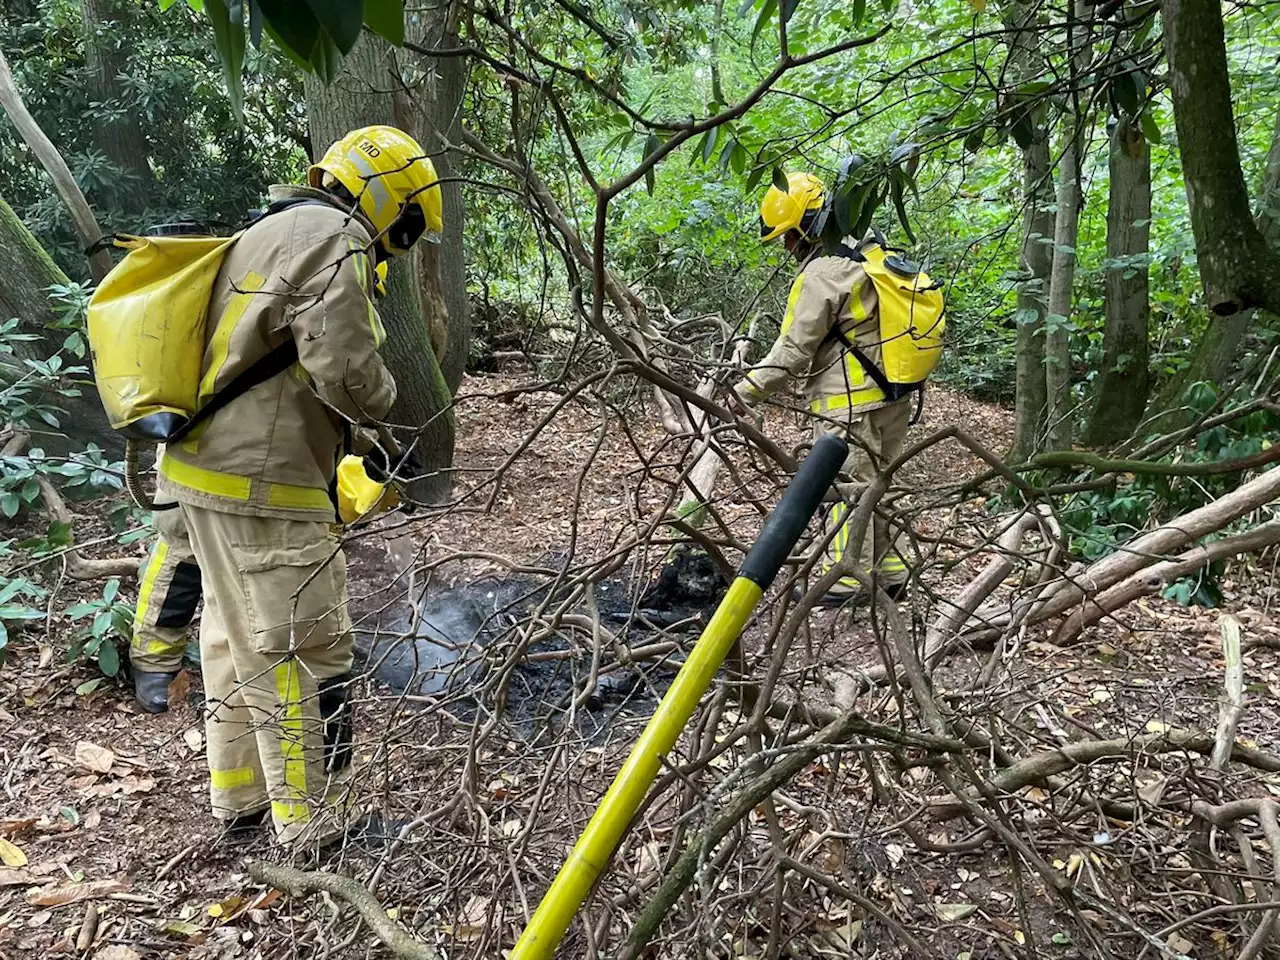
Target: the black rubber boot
pixel 246 822
pixel 836 599
pixel 151 689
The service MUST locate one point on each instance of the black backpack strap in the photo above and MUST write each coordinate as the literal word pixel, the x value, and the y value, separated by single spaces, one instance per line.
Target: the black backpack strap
pixel 260 371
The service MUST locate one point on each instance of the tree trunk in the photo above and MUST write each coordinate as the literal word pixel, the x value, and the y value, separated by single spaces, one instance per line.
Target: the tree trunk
pixel 431 111
pixel 119 137
pixel 1239 271
pixel 1059 415
pixel 1124 382
pixel 64 183
pixel 362 94
pixel 1038 228
pixel 29 271
pixel 1216 352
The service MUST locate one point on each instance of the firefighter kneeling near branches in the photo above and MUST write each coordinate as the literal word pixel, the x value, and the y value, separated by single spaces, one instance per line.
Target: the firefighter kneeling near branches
pixel 862 330
pixel 254 425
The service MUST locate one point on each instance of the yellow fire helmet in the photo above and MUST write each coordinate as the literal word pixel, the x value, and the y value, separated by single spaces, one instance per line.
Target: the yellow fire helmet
pixel 394 181
pixel 380 279
pixel 780 212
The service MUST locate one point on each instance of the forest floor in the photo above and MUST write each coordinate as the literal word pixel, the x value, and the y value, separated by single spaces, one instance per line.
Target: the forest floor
pixel 102 805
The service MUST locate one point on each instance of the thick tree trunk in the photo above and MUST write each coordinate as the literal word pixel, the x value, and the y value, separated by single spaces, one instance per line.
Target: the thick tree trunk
pixel 1239 271
pixel 29 271
pixel 1216 352
pixel 119 137
pixel 1123 384
pixel 360 95
pixel 1038 228
pixel 431 111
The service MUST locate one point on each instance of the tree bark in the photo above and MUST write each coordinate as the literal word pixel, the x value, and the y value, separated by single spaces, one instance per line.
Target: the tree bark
pixel 362 94
pixel 1124 382
pixel 1216 352
pixel 29 271
pixel 120 138
pixel 86 223
pixel 1239 271
pixel 431 111
pixel 1059 416
pixel 1038 229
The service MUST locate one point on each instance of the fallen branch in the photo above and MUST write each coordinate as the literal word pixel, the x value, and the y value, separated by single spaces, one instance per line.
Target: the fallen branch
pixel 78 567
pixel 300 883
pixel 1039 766
pixel 1061 594
pixel 1155 578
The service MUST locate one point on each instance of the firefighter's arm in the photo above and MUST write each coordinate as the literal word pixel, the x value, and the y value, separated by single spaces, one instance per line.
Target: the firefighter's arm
pixel 338 330
pixel 814 304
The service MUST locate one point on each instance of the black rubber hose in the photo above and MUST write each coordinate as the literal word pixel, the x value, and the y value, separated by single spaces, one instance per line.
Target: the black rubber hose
pixel 789 518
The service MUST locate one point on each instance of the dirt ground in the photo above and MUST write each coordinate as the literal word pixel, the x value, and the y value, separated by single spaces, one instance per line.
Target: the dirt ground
pixel 104 808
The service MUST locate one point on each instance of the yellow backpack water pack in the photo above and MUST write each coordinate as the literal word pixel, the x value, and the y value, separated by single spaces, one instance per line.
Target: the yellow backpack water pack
pixel 912 323
pixel 147 331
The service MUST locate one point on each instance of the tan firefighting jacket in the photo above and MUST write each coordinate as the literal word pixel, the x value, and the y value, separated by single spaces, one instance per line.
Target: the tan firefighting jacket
pixel 828 291
pixel 304 273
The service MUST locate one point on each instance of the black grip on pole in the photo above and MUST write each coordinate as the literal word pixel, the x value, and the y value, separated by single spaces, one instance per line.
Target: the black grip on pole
pixel 791 515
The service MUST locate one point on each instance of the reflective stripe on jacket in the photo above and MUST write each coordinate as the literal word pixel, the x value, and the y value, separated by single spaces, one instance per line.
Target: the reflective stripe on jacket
pixel 304 273
pixel 828 291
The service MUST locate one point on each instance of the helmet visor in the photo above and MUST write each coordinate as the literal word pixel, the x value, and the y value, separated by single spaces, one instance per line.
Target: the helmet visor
pixel 408 228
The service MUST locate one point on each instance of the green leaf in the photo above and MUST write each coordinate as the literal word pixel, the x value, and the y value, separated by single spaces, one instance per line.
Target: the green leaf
pixel 766 17
pixel 651 146
pixel 709 143
pixel 1151 129
pixel 780 180
pixel 340 19
pixel 1024 134
pixel 897 181
pixel 859 12
pixel 746 7
pixel 109 659
pixel 166 4
pixel 789 9
pixel 228 37
pixel 69 813
pixel 4 639
pixel 10 504
pixel 13 611
pixel 754 178
pixel 1128 89
pixel 110 590
pixel 386 19
pixel 89 686
pixel 738 161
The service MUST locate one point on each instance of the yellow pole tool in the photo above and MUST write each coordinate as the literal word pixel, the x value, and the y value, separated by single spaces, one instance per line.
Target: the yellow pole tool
pixel 590 855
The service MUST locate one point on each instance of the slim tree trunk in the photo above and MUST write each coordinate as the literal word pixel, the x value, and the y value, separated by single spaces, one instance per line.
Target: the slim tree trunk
pixel 362 94
pixel 1239 271
pixel 117 133
pixel 1033 302
pixel 1123 384
pixel 1059 415
pixel 86 224
pixel 29 271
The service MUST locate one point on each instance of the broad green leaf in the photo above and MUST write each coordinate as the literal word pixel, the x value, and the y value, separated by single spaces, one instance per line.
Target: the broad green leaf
pixel 709 143
pixel 739 159
pixel 110 590
pixel 651 146
pixel 973 142
pixel 109 659
pixel 1024 133
pixel 1151 129
pixel 386 19
pixel 89 686
pixel 1128 89
pixel 754 178
pixel 780 180
pixel 340 19
pixel 789 9
pixel 10 504
pixel 859 12
pixel 897 180
pixel 12 611
pixel 228 37
pixel 766 17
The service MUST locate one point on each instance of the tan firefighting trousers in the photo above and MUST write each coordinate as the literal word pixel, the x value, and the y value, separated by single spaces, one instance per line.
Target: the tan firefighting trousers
pixel 167 598
pixel 875 438
pixel 276 649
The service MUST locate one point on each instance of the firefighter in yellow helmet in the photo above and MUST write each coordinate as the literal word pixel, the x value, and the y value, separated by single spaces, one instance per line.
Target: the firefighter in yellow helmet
pixel 830 296
pixel 254 481
pixel 169 596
